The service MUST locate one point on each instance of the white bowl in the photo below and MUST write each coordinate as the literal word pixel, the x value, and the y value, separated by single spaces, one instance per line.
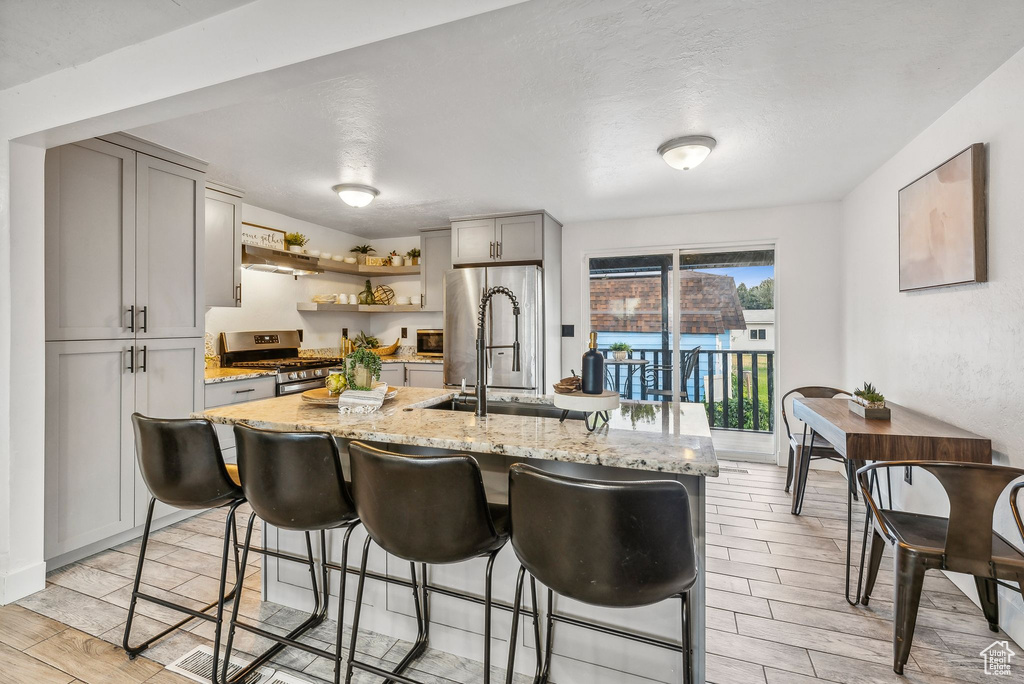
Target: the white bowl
pixel 325 255
pixel 350 260
pixel 337 257
pixel 313 252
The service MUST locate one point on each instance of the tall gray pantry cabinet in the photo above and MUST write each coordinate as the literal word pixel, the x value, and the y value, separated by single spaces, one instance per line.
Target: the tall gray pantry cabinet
pixel 124 327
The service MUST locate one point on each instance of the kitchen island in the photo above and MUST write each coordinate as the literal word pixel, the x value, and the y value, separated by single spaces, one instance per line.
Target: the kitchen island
pixel 642 441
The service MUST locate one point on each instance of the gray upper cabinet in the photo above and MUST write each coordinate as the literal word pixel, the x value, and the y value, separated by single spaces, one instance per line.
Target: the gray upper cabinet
pixel 90 465
pixel 472 241
pixel 170 209
pixel 223 255
pixel 124 242
pixel 90 241
pixel 436 260
pixel 519 238
pixel 503 239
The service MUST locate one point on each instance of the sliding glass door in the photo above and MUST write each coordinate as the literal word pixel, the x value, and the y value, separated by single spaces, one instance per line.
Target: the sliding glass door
pixel 695 326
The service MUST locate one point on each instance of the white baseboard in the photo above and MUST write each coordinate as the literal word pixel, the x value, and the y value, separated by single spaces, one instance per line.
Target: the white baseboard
pixel 21 583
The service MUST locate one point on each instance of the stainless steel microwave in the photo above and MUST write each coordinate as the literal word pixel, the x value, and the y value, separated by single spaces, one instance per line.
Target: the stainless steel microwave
pixel 430 342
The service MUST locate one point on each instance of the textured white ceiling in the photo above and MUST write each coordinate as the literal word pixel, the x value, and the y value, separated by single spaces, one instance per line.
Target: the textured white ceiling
pixel 38 37
pixel 560 105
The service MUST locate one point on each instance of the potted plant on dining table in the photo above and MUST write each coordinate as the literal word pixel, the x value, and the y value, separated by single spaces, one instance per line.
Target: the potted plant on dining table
pixel 620 350
pixel 869 403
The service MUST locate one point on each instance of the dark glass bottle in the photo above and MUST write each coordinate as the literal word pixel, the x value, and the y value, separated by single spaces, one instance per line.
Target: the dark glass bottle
pixel 593 368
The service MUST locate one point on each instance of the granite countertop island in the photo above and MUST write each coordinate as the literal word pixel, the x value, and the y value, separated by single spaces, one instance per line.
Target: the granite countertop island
pixel 215 375
pixel 642 441
pixel 641 436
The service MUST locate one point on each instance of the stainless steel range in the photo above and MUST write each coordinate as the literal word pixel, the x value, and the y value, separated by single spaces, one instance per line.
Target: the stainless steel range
pixel 277 350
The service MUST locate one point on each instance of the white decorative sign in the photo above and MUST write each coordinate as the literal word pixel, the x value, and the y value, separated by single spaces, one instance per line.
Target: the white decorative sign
pixel 261 236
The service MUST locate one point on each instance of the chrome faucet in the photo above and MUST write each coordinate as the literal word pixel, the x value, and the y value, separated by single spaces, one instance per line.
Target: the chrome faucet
pixel 481 345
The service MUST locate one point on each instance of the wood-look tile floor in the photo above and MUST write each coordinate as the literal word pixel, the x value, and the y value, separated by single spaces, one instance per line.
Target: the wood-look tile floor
pixel 775 607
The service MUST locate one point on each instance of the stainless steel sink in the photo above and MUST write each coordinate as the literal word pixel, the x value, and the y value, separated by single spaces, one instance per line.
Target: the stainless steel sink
pixel 507 408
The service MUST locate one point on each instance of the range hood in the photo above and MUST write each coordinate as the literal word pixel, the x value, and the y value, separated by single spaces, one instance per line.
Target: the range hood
pixel 279 261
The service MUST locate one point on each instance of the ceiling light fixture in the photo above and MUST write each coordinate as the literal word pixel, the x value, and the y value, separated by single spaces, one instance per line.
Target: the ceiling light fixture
pixel 355 195
pixel 687 152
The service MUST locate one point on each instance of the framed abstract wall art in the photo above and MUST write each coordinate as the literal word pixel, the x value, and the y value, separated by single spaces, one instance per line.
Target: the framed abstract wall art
pixel 943 224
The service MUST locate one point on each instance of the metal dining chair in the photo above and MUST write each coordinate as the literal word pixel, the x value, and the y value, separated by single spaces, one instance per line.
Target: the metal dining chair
pixel 964 542
pixel 653 375
pixel 797 467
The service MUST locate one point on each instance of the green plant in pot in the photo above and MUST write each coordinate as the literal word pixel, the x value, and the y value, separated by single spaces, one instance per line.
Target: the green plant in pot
pixel 361 251
pixel 362 368
pixel 869 396
pixel 620 350
pixel 414 256
pixel 295 241
pixel 364 341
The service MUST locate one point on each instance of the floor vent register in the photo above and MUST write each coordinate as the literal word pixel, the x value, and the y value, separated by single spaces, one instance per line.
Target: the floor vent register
pixel 197 665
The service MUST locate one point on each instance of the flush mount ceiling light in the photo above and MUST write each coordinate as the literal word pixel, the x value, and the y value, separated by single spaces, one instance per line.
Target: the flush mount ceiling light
pixel 355 195
pixel 687 152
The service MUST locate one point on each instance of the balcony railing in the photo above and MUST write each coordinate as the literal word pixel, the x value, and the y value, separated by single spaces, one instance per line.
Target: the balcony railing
pixel 736 386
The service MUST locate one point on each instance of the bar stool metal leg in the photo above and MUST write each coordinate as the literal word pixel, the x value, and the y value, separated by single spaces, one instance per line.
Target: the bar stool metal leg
pixel 317 616
pixel 230 542
pixel 341 602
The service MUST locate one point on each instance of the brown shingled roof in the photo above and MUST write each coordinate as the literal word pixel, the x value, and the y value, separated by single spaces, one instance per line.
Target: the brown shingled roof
pixel 709 304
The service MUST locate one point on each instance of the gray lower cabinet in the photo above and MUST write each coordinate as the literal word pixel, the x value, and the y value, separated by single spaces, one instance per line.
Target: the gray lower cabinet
pixel 93 490
pixel 90 465
pixel 424 375
pixel 236 392
pixel 393 374
pixel 223 256
pixel 436 260
pixel 168 384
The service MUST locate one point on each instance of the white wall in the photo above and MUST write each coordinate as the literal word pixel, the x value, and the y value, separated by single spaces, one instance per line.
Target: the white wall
pixel 953 353
pixel 807 287
pixel 269 299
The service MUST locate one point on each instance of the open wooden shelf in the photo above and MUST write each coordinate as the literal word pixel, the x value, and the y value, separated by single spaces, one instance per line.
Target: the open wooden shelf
pixel 361 269
pixel 359 308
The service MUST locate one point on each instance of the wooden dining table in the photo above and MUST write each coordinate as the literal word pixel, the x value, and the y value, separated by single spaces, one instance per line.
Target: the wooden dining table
pixel 907 436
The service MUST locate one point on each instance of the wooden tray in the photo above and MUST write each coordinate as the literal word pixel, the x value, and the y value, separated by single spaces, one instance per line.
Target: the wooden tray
pixel 321 397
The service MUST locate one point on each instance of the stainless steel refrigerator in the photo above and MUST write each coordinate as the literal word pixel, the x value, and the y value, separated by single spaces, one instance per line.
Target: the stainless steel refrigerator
pixel 463 288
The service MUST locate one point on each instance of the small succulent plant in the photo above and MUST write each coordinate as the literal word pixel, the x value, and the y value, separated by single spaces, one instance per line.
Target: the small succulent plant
pixel 620 346
pixel 363 249
pixel 869 395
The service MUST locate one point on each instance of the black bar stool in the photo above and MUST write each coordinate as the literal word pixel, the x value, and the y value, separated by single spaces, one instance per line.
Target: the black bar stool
pixel 293 481
pixel 423 509
pixel 181 463
pixel 610 544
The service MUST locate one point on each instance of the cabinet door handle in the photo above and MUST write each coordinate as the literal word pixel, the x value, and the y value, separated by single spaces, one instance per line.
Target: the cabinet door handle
pixel 490 252
pixel 131 318
pixel 144 313
pixel 142 359
pixel 499 249
pixel 131 359
pixel 238 296
pixel 245 391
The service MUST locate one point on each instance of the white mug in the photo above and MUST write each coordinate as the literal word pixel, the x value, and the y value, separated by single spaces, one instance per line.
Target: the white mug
pixel 353 299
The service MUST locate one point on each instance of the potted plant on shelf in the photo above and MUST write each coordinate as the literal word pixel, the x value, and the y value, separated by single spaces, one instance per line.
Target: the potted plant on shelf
pixel 295 241
pixel 396 259
pixel 869 403
pixel 413 255
pixel 361 251
pixel 362 368
pixel 620 350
